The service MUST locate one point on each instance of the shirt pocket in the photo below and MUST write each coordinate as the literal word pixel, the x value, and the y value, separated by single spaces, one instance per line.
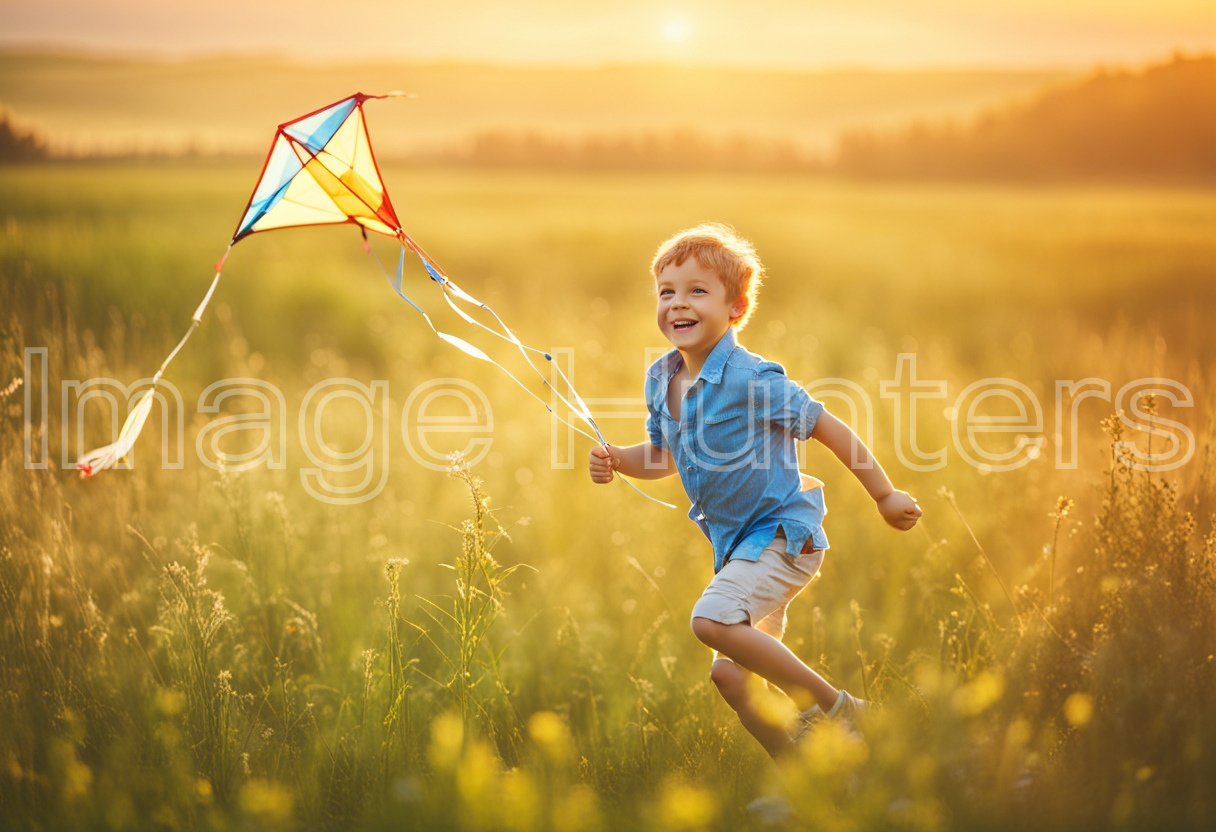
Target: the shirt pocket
pixel 725 438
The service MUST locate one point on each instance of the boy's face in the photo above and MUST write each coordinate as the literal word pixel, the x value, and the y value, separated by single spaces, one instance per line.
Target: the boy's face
pixel 694 310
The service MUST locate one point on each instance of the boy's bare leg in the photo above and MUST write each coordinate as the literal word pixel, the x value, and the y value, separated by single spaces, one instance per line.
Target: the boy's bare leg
pixel 766 656
pixel 740 688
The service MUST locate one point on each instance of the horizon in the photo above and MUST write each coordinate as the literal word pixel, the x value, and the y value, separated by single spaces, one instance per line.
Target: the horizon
pixel 65 51
pixel 776 35
pixel 86 52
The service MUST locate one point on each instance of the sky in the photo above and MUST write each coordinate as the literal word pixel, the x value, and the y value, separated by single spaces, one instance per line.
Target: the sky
pixel 801 34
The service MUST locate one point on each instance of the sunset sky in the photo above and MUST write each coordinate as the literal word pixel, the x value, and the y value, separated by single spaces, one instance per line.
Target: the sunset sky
pixel 761 33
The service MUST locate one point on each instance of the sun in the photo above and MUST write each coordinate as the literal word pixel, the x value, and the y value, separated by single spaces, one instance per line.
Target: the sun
pixel 676 29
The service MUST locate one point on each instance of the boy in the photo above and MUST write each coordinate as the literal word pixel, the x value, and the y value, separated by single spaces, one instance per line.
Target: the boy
pixel 725 420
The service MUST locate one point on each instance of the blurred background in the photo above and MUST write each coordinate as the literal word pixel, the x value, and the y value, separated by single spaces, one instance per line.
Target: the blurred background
pixel 1023 190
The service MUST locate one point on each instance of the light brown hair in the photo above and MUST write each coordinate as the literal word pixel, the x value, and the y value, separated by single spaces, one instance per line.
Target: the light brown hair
pixel 720 249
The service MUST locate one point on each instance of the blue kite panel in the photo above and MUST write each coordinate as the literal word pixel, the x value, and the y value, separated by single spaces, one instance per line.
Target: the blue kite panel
pixel 315 131
pixel 281 168
pixel 257 210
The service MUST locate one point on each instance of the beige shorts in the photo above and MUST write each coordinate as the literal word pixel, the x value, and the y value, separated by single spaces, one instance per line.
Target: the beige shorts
pixel 758 592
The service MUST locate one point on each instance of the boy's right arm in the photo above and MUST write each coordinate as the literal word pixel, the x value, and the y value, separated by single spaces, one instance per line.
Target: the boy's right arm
pixel 642 461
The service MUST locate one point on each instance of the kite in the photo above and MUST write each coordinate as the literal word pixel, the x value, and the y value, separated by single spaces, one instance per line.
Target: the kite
pixel 321 171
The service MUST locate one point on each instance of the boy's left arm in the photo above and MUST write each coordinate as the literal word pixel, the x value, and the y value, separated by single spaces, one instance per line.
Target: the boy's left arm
pixel 898 508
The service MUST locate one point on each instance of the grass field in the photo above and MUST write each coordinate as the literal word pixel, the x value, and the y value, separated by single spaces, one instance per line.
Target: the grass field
pixel 181 649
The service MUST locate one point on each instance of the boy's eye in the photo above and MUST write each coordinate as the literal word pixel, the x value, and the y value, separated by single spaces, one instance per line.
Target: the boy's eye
pixel 699 289
pixel 663 292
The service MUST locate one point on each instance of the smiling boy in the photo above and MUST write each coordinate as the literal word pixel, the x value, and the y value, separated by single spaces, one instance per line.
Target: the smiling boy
pixel 726 421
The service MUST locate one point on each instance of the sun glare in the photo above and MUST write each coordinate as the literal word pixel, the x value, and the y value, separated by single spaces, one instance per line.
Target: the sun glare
pixel 676 29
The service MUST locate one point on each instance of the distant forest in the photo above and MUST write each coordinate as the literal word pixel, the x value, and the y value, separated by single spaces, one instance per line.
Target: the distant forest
pixel 1155 124
pixel 675 150
pixel 18 146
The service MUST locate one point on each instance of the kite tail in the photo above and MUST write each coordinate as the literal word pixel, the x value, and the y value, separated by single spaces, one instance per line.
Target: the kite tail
pixel 108 456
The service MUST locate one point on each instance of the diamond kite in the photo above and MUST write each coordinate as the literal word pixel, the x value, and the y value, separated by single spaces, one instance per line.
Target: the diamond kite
pixel 321 171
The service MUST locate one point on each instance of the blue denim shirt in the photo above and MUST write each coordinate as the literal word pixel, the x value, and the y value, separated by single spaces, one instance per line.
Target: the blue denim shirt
pixel 734 446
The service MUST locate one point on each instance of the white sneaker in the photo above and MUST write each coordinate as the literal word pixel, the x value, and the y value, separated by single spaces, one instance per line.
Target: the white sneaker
pixel 852 706
pixel 847 708
pixel 770 809
pixel 807 720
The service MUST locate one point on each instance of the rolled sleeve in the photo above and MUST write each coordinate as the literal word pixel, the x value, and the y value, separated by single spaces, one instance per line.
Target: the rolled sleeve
pixel 783 402
pixel 654 429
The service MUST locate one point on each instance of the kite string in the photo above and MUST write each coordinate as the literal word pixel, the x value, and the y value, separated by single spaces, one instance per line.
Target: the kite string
pixel 449 286
pixel 432 269
pixel 396 284
pixel 450 289
pixel 438 275
pixel 582 410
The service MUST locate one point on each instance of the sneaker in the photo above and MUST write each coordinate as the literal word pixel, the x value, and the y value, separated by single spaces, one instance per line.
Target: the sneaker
pixel 770 810
pixel 847 708
pixel 852 706
pixel 807 720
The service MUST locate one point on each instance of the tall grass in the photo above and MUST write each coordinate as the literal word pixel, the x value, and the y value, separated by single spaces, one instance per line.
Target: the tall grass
pixel 180 649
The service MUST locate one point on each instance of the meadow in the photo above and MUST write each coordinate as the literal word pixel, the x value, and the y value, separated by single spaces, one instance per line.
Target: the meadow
pixel 508 647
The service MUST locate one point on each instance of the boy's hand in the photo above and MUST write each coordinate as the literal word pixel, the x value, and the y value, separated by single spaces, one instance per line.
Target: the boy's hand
pixel 899 509
pixel 601 464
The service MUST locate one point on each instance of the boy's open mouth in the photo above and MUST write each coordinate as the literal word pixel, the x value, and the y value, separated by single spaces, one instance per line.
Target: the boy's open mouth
pixel 682 325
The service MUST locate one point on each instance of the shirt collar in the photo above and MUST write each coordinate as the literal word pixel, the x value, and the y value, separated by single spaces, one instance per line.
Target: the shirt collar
pixel 715 362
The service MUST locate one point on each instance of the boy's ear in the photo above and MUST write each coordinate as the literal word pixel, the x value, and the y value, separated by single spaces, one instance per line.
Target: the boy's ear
pixel 736 311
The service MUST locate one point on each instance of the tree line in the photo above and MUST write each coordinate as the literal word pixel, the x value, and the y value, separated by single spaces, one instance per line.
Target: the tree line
pixel 1154 124
pixel 19 146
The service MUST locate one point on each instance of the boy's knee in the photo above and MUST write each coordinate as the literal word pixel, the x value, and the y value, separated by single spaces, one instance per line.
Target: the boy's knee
pixel 729 679
pixel 704 629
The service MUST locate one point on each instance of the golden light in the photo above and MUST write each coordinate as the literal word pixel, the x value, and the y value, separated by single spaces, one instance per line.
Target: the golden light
pixel 677 29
